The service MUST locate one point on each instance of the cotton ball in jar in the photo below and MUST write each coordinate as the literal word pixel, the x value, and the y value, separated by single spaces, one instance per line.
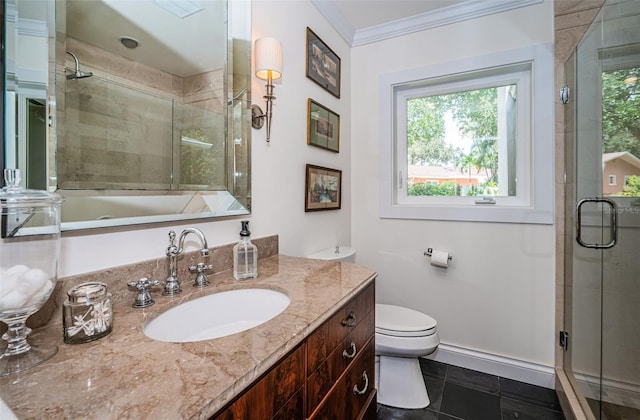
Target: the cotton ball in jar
pixel 7 282
pixel 10 297
pixel 16 269
pixel 42 294
pixel 13 300
pixel 22 286
pixel 31 281
pixel 9 278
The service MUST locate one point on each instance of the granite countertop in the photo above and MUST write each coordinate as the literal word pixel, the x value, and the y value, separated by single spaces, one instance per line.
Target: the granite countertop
pixel 127 375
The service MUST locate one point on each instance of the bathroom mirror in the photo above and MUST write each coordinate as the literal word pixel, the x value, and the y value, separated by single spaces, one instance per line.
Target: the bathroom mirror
pixel 134 111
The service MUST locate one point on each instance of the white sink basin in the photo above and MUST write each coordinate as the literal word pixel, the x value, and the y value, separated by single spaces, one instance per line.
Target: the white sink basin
pixel 217 315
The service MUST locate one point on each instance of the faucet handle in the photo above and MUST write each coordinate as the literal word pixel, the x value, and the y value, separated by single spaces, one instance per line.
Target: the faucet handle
pixel 143 299
pixel 201 279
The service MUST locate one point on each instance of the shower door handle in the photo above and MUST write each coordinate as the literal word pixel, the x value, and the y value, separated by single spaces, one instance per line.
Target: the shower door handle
pixel 614 222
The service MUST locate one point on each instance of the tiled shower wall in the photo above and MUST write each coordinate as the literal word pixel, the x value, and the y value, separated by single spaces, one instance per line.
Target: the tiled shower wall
pixel 117 128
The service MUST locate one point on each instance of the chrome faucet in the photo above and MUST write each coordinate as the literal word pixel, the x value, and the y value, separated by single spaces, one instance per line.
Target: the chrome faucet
pixel 172 285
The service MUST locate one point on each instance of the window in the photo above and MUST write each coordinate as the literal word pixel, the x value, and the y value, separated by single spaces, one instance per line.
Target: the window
pixel 470 140
pixel 620 124
pixel 463 132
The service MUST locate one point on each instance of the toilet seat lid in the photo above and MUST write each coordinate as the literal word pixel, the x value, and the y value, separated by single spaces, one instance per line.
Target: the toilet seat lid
pixel 401 321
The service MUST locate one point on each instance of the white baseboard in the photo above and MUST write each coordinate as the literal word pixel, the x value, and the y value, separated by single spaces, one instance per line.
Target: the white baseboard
pixel 615 392
pixel 518 370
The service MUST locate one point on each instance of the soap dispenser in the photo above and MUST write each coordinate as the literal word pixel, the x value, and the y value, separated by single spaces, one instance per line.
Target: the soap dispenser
pixel 245 255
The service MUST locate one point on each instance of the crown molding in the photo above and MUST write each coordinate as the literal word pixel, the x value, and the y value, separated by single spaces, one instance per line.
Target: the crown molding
pixel 10 12
pixel 31 27
pixel 336 18
pixel 457 13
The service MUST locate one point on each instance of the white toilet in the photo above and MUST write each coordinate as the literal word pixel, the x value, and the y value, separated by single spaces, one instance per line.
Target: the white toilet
pixel 402 336
pixel 336 253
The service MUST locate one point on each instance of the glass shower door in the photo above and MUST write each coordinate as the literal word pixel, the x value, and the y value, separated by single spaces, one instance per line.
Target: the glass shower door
pixel 603 182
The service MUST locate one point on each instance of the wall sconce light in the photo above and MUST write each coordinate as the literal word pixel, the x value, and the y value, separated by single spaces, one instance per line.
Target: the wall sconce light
pixel 268 53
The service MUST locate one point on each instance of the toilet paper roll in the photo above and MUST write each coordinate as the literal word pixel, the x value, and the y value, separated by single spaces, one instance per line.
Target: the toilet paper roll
pixel 440 258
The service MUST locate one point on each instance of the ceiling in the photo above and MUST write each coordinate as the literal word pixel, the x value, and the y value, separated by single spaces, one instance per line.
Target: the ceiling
pixel 366 13
pixel 365 21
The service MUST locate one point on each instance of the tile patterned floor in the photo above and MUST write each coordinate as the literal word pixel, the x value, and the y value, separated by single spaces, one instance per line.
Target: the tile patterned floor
pixel 462 394
pixel 608 411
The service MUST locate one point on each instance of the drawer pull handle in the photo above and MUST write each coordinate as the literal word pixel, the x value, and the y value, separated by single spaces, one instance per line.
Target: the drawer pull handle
pixel 351 355
pixel 350 320
pixel 356 391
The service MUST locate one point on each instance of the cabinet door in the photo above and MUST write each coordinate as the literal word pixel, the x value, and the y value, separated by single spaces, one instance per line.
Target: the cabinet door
pixel 349 398
pixel 279 392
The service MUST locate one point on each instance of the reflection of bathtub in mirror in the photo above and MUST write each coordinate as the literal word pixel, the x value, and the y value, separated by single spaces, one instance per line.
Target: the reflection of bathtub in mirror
pixel 80 211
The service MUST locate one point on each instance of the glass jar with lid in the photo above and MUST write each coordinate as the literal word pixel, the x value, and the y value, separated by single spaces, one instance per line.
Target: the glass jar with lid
pixel 29 248
pixel 87 314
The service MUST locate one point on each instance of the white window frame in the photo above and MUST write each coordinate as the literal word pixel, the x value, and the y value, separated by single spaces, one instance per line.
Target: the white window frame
pixel 534 165
pixel 613 180
pixel 518 75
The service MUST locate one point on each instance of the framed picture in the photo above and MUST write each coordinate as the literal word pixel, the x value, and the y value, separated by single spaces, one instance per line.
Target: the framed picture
pixel 323 127
pixel 323 65
pixel 323 189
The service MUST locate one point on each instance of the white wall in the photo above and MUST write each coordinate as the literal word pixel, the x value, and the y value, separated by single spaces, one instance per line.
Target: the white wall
pixel 278 167
pixel 498 294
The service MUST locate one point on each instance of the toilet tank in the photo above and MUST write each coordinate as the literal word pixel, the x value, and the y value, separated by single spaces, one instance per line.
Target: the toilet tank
pixel 336 253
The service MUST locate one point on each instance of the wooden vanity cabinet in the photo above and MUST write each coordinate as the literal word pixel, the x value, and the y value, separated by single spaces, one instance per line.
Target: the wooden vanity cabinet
pixel 279 394
pixel 330 375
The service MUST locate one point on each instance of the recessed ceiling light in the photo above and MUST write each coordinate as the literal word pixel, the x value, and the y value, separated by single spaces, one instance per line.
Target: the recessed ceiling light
pixel 179 8
pixel 129 42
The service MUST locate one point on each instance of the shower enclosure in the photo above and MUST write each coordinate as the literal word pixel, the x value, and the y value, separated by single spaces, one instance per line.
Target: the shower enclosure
pixel 602 259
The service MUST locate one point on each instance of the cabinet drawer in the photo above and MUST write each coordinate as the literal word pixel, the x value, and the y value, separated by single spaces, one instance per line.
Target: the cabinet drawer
pixel 353 392
pixel 279 391
pixel 330 334
pixel 370 410
pixel 322 379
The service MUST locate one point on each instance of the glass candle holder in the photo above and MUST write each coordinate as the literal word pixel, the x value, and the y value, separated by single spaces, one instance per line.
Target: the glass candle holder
pixel 87 314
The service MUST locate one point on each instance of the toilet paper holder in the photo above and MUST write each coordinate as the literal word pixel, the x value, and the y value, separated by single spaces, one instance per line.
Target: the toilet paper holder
pixel 429 251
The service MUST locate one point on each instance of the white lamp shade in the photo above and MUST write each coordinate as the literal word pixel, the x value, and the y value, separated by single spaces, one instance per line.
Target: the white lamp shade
pixel 268 53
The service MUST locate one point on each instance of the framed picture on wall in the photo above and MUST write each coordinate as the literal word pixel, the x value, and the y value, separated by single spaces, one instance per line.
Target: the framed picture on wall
pixel 323 127
pixel 323 65
pixel 323 189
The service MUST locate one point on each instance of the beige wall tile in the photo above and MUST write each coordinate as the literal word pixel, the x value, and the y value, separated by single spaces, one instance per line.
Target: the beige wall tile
pixel 575 19
pixel 564 7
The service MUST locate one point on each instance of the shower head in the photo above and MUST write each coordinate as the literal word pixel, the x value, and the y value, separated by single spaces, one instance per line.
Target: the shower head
pixel 77 74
